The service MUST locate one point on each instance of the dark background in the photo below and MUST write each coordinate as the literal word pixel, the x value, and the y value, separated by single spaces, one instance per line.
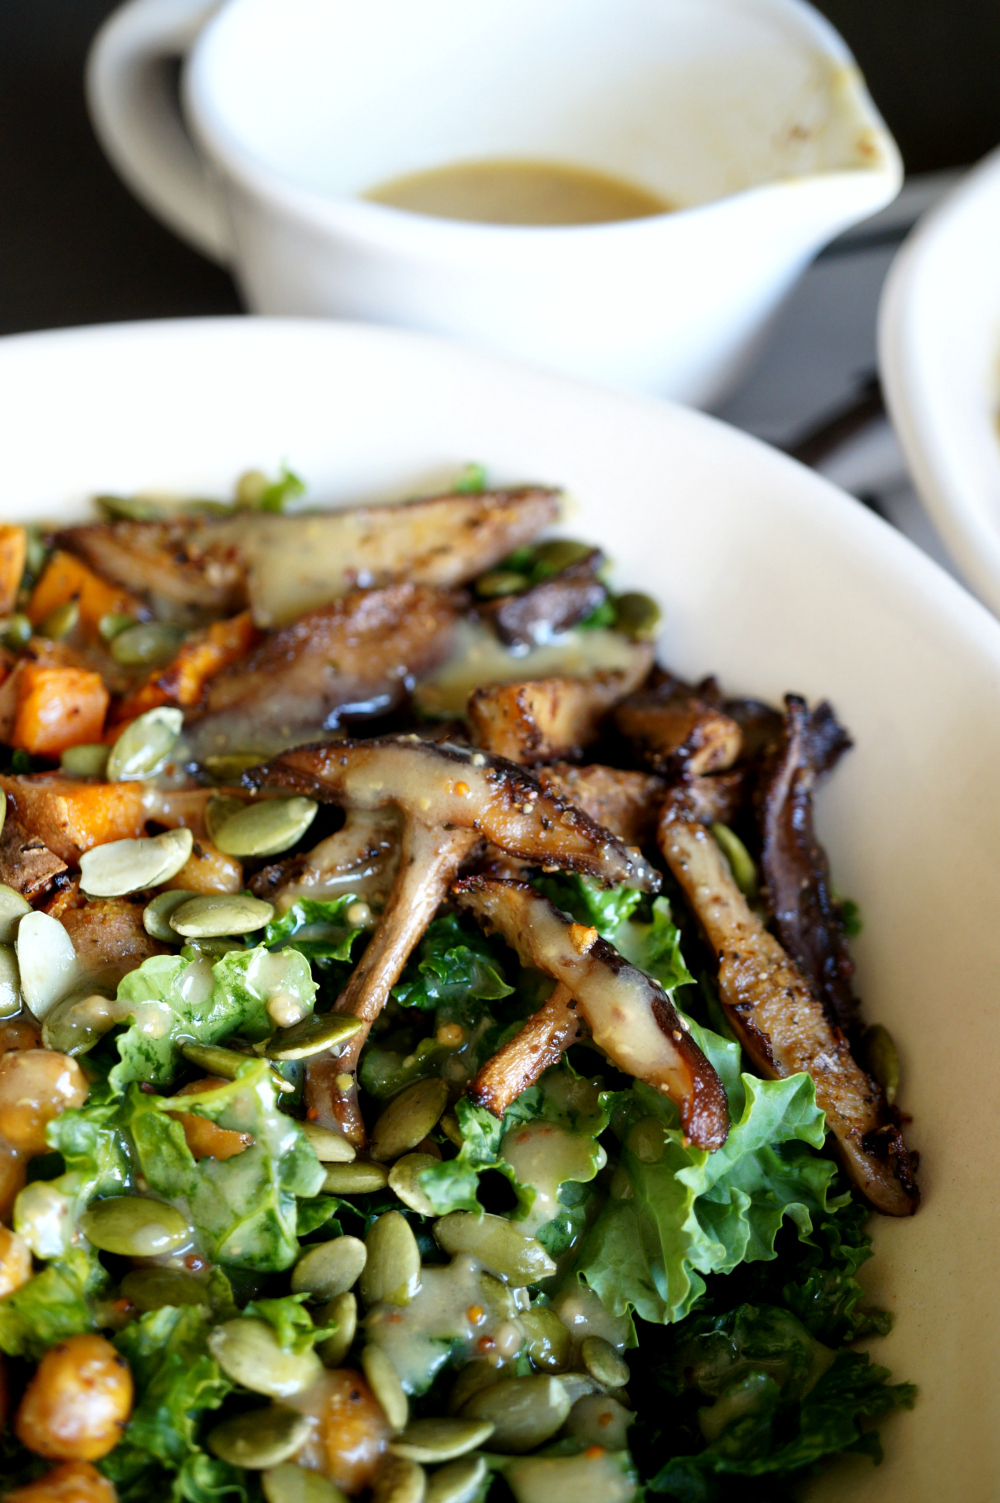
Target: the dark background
pixel 76 248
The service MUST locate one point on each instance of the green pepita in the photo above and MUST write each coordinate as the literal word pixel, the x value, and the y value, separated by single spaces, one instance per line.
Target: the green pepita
pixel 435 1440
pixel 17 632
pixel 314 1035
pixel 525 1412
pixel 328 1146
pixel 497 582
pixel 135 1227
pixel 341 1312
pixel 128 508
pixel 13 906
pixel 547 1341
pixel 215 1060
pixel 124 866
pixel 113 624
pixel 64 619
pixel 228 768
pixel 153 1288
pixel 880 1058
pixel 409 1118
pixel 266 828
pixel 263 1438
pixel 558 553
pixel 46 960
pixel 399 1481
pixel 220 807
pixel 156 915
pixel 150 644
pixel 579 1385
pixel 460 1482
pixel 89 761
pixel 637 615
pixel 392 1270
pixel 329 1269
pixel 78 1022
pixel 472 1379
pixel 404 1181
pixel 289 1483
pixel 355 1179
pixel 741 863
pixel 249 1352
pixel 383 1380
pixel 497 1244
pixel 599 1420
pixel 572 1479
pixel 143 747
pixel 10 982
pixel 219 915
pixel 603 1363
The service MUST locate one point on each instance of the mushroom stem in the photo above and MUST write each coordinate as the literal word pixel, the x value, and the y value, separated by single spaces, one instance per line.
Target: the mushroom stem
pixel 541 1043
pixel 429 862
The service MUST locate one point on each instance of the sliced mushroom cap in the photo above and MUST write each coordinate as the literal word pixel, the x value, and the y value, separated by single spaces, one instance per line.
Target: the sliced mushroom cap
pixel 361 857
pixel 780 1022
pixel 626 803
pixel 446 786
pixel 676 731
pixel 553 606
pixel 629 1014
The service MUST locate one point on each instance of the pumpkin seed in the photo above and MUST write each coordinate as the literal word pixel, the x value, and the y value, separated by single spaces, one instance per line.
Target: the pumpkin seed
pixel 637 615
pixel 472 1379
pixel 579 1385
pixel 13 906
pixel 498 1298
pixel 215 1060
pixel 739 859
pixel 289 1483
pixel 218 809
pixel 64 619
pixel 404 1181
pixel 409 1118
pixel 400 1481
pixel 10 982
pixel 497 1244
pixel 156 915
pixel 111 625
pixel 77 1023
pixel 328 1146
pixel 267 827
pixel 229 767
pixel 128 508
pixel 355 1179
pixel 526 1412
pixel 124 866
pixel 329 1269
pixel 150 644
pixel 603 1363
pixel 449 1125
pixel 262 1438
pixel 433 1440
pixel 392 1269
pixel 547 1339
pixel 152 1288
pixel 572 1479
pixel 461 1482
pixel 342 1313
pixel 599 1420
pixel 46 960
pixel 880 1058
pixel 329 1030
pixel 497 582
pixel 88 761
pixel 17 632
pixel 135 1227
pixel 219 915
pixel 559 553
pixel 383 1380
pixel 144 746
pixel 249 1352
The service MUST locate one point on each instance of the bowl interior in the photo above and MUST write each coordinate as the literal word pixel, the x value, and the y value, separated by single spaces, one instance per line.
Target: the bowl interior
pixel 770 578
pixel 694 99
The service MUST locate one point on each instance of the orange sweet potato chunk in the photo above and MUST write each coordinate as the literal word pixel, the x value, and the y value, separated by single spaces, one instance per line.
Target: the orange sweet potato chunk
pixel 68 578
pixel 183 681
pixel 13 551
pixel 71 817
pixel 57 708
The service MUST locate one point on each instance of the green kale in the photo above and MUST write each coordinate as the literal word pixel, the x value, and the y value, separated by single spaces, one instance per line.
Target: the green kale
pixel 58 1302
pixel 294 1325
pixel 455 965
pixel 641 929
pixel 319 930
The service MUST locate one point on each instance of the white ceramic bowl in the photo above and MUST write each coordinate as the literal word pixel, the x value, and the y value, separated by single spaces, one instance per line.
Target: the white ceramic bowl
pixel 770 577
pixel 939 350
pixel 749 115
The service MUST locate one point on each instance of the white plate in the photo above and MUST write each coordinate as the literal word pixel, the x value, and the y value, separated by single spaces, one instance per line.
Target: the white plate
pixel 939 351
pixel 770 577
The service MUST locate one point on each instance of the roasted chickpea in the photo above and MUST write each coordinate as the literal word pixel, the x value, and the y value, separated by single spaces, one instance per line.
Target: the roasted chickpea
pixel 19 1033
pixel 15 1261
pixel 78 1402
pixel 13 1172
pixel 206 1139
pixel 354 1431
pixel 35 1086
pixel 73 1482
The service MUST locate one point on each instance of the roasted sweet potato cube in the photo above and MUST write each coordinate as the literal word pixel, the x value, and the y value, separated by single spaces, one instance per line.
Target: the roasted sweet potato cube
pixel 71 817
pixel 13 550
pixel 68 578
pixel 58 708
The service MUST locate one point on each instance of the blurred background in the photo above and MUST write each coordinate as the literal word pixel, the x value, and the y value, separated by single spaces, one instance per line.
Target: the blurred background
pixel 76 247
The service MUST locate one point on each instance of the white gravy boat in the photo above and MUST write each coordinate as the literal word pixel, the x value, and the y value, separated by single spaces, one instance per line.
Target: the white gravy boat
pixel 749 115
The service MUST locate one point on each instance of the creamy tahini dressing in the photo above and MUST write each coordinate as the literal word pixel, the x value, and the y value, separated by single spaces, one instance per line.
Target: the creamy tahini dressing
pixel 544 1155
